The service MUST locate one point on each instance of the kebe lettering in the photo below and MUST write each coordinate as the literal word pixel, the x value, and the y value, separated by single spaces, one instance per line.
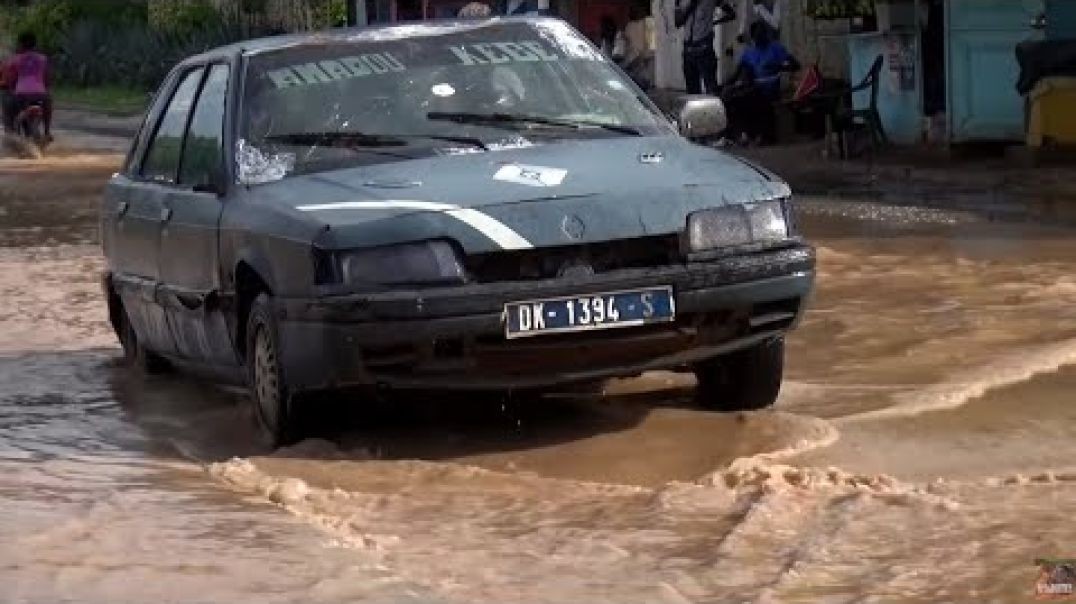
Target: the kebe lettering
pixel 497 53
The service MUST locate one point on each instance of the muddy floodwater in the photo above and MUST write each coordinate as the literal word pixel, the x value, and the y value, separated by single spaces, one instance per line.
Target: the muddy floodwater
pixel 923 449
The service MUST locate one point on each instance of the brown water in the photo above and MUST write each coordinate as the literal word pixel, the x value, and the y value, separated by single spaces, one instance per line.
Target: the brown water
pixel 922 449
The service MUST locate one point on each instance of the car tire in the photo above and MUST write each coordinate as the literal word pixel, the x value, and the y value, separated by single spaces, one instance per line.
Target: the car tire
pixel 134 352
pixel 271 397
pixel 743 380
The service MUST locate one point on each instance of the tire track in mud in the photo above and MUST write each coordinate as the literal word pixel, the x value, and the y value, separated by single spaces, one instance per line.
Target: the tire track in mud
pixel 775 525
pixel 738 532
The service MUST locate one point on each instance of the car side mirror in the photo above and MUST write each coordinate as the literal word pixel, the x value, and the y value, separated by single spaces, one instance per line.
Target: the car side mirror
pixel 702 116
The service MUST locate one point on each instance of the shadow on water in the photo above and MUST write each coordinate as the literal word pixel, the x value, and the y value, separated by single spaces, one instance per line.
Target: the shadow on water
pixel 645 431
pixel 213 423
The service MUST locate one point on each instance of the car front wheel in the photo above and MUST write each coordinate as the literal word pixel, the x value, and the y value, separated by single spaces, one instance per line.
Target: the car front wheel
pixel 269 391
pixel 743 380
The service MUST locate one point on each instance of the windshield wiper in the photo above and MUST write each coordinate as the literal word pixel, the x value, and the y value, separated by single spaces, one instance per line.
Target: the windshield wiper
pixel 513 118
pixel 349 139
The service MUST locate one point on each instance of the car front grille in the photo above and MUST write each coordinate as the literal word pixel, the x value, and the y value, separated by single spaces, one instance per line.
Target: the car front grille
pixel 551 262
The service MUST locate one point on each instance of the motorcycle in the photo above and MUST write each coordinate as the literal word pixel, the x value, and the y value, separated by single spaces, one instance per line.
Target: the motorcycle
pixel 30 127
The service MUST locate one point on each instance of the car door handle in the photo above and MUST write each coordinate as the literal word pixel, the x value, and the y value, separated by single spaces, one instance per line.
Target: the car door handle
pixel 121 208
pixel 166 214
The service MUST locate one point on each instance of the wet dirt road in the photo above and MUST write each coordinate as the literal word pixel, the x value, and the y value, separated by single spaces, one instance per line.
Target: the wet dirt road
pixel 922 450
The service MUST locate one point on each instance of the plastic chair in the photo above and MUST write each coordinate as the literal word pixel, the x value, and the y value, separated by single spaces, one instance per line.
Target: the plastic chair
pixel 869 118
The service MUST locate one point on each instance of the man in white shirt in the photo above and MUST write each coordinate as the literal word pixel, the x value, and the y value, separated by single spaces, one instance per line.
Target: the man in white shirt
pixel 698 18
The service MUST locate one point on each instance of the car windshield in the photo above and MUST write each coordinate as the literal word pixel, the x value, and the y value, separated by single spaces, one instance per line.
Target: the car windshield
pixel 423 90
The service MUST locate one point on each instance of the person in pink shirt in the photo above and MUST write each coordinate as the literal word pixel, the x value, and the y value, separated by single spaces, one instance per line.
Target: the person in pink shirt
pixel 26 76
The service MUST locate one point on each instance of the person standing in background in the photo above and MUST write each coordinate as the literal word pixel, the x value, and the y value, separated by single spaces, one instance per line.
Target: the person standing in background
pixel 638 59
pixel 611 38
pixel 698 18
pixel 767 11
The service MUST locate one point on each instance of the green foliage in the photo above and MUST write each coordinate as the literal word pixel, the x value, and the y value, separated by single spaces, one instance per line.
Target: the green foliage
pixel 107 98
pixel 93 53
pixel 253 7
pixel 96 43
pixel 333 13
pixel 183 17
pixel 117 12
pixel 47 19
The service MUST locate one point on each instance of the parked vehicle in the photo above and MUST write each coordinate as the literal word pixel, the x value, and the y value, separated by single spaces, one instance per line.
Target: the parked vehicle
pixel 464 205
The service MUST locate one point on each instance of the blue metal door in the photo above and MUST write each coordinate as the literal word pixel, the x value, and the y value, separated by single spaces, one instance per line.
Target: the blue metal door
pixel 983 34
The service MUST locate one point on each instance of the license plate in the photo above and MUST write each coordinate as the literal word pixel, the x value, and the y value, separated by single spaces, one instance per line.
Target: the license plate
pixel 594 311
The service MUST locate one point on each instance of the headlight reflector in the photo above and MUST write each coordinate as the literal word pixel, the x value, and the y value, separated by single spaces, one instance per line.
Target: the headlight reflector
pixel 767 221
pixel 737 224
pixel 424 263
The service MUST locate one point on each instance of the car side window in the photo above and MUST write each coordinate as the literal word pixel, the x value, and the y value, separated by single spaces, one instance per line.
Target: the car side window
pixel 130 164
pixel 204 144
pixel 162 158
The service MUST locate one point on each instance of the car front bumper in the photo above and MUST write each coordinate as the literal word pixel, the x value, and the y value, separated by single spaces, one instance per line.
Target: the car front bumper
pixel 454 337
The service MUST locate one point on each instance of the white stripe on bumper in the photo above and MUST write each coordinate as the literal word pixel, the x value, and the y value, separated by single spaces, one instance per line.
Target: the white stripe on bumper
pixel 492 228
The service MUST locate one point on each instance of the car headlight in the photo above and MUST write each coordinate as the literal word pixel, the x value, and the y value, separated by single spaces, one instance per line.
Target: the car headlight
pixel 737 224
pixel 424 263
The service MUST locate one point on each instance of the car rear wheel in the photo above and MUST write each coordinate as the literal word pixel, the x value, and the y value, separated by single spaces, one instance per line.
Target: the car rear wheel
pixel 270 395
pixel 134 352
pixel 744 380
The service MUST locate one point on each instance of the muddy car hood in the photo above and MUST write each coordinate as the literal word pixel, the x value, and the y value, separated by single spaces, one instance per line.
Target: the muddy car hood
pixel 550 195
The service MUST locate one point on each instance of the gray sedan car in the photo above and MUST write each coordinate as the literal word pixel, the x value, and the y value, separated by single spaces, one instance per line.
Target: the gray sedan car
pixel 486 205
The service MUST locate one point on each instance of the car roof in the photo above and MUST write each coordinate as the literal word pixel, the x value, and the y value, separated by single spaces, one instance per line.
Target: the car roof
pixel 387 31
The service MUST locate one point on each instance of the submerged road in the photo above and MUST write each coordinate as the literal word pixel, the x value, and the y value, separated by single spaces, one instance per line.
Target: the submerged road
pixel 922 450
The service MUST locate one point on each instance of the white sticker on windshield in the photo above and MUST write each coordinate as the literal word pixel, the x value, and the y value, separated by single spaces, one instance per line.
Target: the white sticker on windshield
pixel 532 176
pixel 443 90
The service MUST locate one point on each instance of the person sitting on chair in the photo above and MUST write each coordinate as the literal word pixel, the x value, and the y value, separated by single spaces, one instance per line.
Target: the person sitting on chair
pixel 753 89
